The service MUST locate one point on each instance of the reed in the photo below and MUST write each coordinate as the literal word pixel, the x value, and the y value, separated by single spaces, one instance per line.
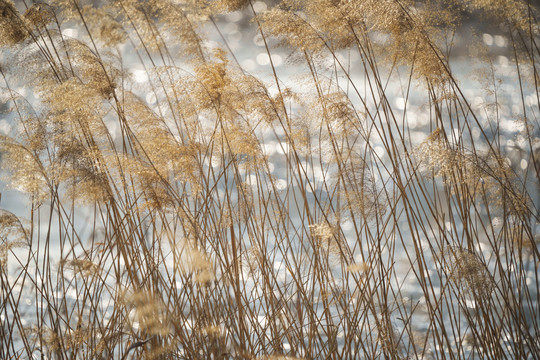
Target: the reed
pixel 370 206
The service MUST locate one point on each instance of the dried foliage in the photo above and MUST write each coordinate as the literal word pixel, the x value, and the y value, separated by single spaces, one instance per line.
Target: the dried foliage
pixel 176 206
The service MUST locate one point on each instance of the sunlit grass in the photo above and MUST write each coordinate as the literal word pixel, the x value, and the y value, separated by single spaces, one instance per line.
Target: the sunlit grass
pixel 363 197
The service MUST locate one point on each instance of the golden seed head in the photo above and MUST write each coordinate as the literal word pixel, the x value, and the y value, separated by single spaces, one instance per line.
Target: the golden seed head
pixel 39 15
pixel 12 29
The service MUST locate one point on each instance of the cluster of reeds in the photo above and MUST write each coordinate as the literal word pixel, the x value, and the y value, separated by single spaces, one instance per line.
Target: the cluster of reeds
pixel 206 213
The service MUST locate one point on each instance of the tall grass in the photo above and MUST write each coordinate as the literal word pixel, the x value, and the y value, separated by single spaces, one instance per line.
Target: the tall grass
pixel 203 212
